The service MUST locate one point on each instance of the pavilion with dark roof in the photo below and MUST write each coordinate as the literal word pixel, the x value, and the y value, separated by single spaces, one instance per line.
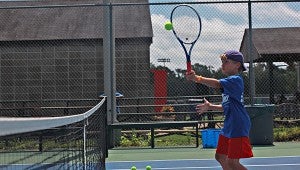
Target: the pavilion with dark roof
pixel 272 45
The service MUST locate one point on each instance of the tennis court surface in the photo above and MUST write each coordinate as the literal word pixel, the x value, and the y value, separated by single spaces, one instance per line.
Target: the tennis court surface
pixel 281 156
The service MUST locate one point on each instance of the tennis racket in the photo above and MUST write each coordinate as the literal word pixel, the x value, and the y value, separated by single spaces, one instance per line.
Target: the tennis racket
pixel 187 28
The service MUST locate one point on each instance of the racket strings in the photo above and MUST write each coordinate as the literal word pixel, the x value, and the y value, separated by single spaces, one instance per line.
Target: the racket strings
pixel 186 24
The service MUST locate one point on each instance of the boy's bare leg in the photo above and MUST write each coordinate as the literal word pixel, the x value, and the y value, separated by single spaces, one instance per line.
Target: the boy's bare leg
pixel 222 159
pixel 235 164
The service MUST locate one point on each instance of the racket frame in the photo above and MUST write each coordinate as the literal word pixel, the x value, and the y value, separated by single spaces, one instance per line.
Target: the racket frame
pixel 182 43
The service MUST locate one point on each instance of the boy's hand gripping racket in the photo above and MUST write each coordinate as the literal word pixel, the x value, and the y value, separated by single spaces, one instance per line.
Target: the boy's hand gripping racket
pixel 186 24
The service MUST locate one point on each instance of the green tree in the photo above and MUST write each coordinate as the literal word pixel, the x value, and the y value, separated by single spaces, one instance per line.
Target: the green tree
pixel 284 80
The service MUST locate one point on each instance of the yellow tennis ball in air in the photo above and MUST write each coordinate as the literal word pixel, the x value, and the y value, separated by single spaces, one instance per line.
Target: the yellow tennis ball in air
pixel 133 168
pixel 168 25
pixel 148 167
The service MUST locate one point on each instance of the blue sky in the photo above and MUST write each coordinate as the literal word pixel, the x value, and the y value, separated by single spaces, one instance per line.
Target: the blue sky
pixel 223 27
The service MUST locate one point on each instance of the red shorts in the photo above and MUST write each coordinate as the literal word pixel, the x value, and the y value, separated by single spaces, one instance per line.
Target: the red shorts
pixel 234 148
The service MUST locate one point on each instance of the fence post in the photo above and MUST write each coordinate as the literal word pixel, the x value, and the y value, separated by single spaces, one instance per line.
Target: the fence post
pixel 251 70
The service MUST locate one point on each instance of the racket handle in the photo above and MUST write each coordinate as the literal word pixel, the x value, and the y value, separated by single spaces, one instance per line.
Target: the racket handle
pixel 188 66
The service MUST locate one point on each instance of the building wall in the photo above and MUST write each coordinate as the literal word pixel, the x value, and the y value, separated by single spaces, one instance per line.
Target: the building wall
pixel 70 69
pixel 133 67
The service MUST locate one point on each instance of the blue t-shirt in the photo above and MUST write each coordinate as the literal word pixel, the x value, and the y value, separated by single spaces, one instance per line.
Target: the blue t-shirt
pixel 237 122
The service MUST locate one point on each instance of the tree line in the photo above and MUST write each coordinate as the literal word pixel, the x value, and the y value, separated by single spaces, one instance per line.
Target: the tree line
pixel 283 80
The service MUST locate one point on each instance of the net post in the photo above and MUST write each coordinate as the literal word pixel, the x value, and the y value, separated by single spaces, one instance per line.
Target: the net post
pixel 84 143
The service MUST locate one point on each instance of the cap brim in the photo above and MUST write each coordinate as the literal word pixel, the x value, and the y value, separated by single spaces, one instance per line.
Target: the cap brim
pixel 244 68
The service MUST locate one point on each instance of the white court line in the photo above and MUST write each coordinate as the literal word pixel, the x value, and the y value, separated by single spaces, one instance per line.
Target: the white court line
pixel 168 160
pixel 295 156
pixel 180 168
pixel 266 165
pixel 171 160
pixel 213 167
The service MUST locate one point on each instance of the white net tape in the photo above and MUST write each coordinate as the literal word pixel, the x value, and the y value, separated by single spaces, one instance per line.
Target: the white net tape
pixel 15 125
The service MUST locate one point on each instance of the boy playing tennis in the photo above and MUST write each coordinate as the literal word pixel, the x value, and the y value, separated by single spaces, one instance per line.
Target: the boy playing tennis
pixel 234 140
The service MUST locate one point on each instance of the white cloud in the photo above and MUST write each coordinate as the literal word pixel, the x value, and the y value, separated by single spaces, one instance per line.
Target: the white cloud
pixel 216 37
pixel 238 9
pixel 263 14
pixel 220 31
pixel 275 13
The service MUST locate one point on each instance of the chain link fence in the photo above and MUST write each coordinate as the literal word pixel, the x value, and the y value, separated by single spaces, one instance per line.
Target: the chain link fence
pixel 225 25
pixel 54 50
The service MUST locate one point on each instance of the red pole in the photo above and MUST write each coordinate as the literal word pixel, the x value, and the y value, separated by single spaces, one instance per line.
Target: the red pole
pixel 160 88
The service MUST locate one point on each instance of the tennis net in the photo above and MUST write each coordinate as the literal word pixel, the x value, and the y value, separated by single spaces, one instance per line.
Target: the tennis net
pixel 53 137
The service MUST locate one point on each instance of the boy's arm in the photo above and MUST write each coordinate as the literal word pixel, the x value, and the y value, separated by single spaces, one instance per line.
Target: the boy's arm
pixel 206 106
pixel 211 82
pixel 216 107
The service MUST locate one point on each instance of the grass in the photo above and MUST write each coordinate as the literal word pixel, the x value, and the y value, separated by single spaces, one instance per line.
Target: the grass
pixel 176 140
pixel 143 140
pixel 31 144
pixel 281 134
pixel 135 139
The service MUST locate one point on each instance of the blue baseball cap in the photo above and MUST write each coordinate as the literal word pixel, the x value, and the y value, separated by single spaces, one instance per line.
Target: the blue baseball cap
pixel 236 56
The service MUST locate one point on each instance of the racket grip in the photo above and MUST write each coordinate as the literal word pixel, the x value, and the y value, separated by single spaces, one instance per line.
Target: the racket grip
pixel 188 66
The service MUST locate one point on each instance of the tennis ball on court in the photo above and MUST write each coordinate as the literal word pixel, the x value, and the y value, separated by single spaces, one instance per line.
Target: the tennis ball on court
pixel 168 25
pixel 133 168
pixel 148 167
